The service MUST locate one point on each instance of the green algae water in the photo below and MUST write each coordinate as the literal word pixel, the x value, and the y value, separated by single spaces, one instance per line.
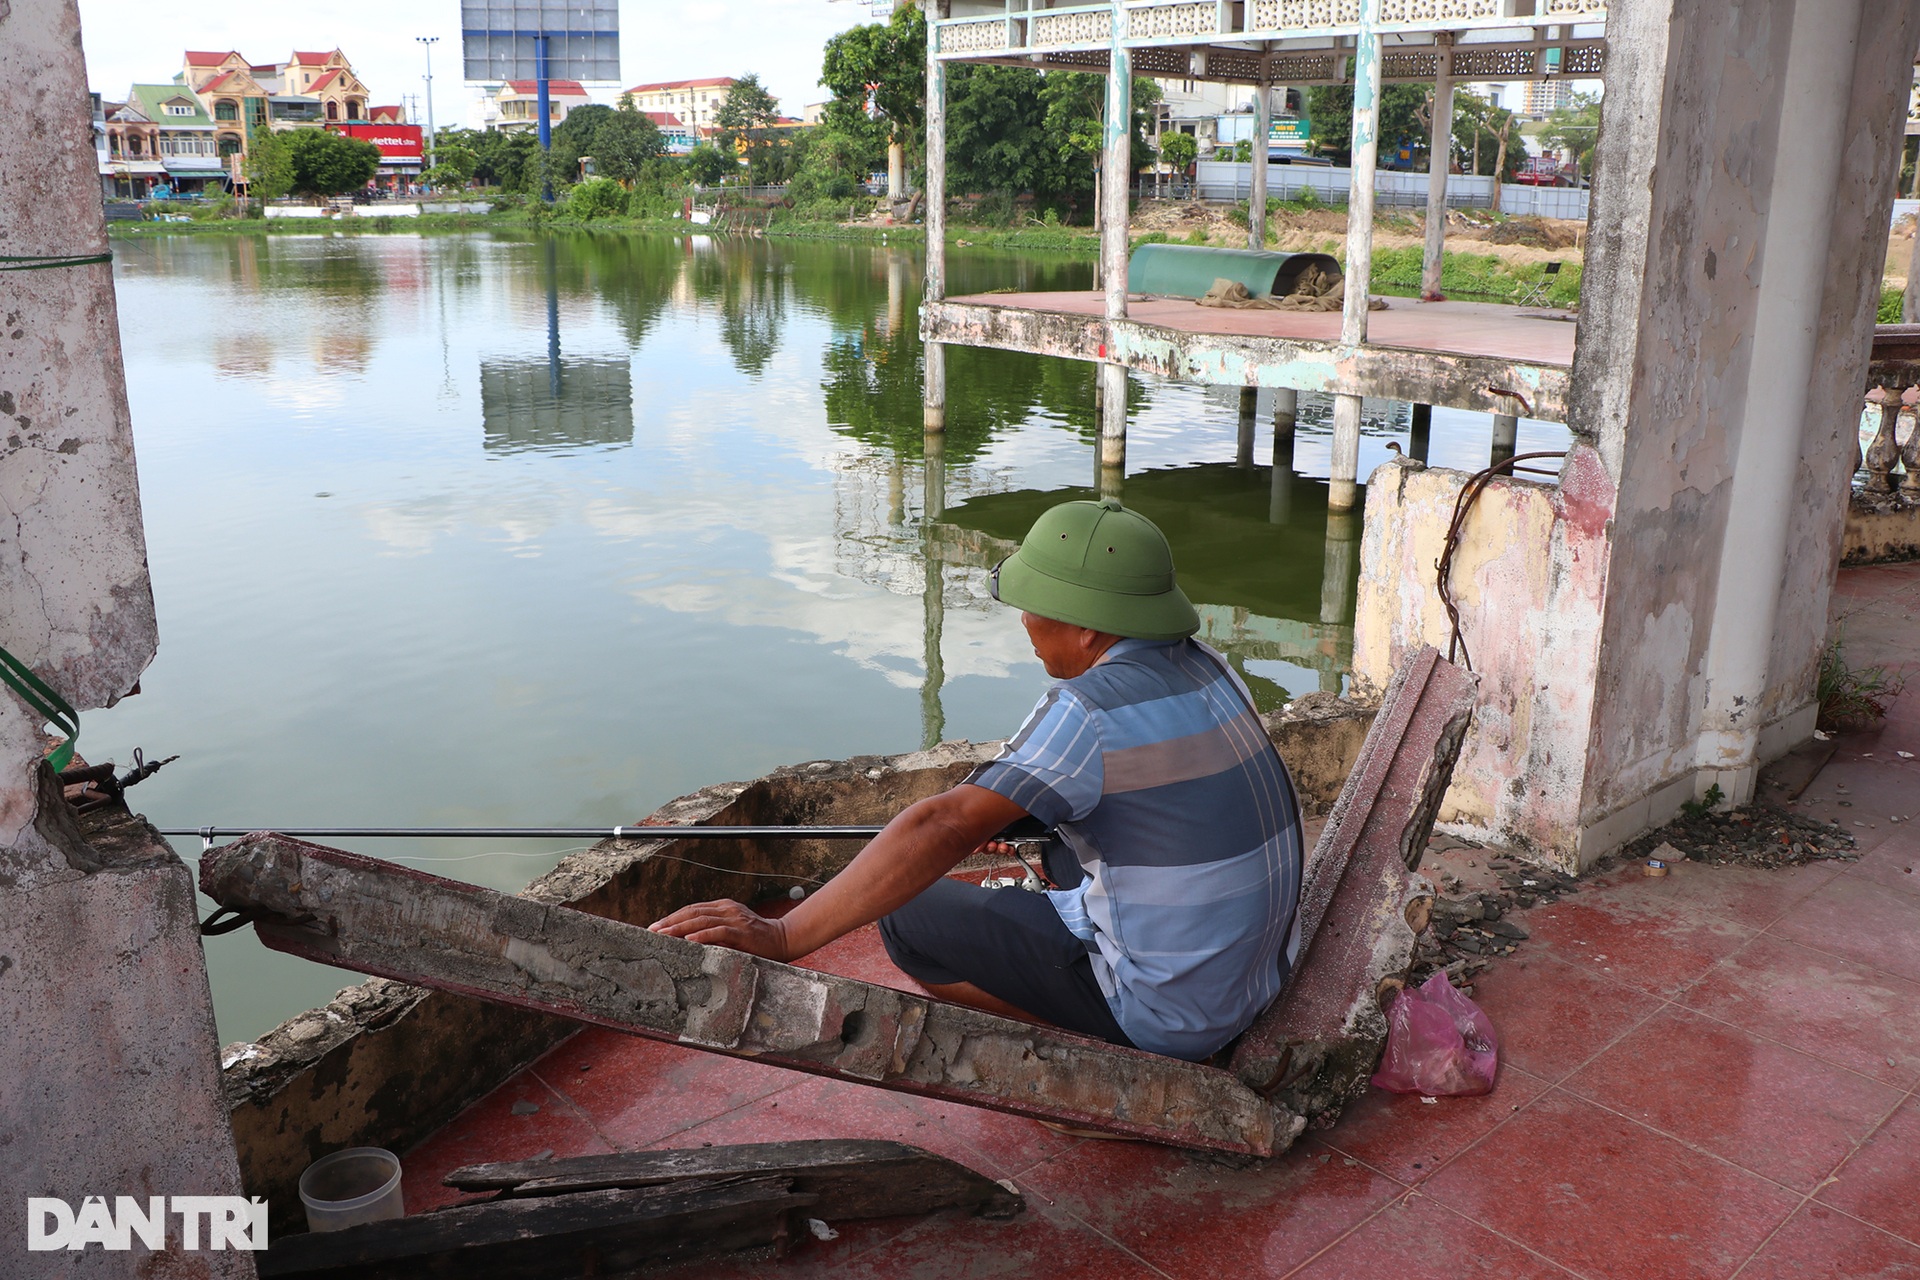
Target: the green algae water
pixel 486 530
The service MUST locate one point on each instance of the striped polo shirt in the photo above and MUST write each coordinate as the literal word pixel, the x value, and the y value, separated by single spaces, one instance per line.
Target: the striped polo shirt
pixel 1154 769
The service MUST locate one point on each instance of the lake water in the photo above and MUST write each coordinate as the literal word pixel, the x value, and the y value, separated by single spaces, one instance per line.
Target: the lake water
pixel 513 531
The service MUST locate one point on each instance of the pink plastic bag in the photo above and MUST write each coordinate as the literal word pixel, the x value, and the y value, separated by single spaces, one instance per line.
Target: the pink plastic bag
pixel 1439 1043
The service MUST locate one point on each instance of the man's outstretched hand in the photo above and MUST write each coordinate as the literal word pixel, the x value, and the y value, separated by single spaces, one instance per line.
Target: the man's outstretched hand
pixel 922 843
pixel 729 924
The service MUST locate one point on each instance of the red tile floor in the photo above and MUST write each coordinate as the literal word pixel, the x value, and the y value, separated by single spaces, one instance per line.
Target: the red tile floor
pixel 1711 1074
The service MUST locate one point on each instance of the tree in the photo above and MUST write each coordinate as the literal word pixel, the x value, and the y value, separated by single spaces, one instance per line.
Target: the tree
pixel 623 144
pixel 269 165
pixel 830 168
pixel 708 167
pixel 1330 107
pixel 573 138
pixel 330 164
pixel 885 64
pixel 1574 129
pixel 453 166
pixel 996 128
pixel 745 120
pixel 1481 129
pixel 1178 150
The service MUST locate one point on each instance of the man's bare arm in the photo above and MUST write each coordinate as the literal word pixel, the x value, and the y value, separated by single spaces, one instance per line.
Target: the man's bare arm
pixel 923 843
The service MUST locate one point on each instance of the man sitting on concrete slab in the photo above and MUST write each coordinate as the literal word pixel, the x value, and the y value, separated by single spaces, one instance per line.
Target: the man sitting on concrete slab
pixel 1178 860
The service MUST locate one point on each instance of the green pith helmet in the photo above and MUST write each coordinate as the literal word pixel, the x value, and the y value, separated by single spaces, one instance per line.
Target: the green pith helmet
pixel 1098 565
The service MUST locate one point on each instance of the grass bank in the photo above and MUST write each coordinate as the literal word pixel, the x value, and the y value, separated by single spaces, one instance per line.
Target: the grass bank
pixel 1466 275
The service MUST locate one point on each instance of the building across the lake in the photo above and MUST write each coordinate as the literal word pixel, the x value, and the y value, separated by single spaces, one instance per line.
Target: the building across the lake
pixel 693 101
pixel 513 106
pixel 190 135
pixel 679 137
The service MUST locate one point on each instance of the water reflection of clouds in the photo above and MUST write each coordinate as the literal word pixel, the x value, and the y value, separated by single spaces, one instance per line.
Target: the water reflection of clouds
pixel 415 527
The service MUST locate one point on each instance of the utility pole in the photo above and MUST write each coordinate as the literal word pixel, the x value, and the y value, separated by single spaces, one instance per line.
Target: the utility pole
pixel 429 42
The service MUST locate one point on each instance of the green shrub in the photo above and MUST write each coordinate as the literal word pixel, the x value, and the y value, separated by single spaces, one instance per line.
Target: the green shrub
pixel 596 198
pixel 1889 313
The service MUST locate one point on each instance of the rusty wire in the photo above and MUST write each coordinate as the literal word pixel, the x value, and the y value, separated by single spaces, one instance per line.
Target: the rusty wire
pixel 1462 504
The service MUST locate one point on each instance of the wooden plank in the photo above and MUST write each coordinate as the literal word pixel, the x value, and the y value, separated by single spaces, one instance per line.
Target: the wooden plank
pixel 849 1178
pixel 552 1238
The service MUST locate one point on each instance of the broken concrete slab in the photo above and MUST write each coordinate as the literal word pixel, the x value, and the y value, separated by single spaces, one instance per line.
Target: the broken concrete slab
pixel 358 913
pixel 1361 907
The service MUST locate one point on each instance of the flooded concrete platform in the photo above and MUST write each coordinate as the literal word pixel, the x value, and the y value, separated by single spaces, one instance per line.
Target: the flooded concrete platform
pixel 1704 1074
pixel 1488 357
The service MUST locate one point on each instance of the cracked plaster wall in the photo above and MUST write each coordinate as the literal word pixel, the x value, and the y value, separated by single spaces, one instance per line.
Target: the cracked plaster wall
pixel 109 1082
pixel 1712 397
pixel 1528 576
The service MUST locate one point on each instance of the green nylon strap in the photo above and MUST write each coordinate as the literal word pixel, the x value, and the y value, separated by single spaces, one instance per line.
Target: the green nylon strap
pixel 42 262
pixel 39 695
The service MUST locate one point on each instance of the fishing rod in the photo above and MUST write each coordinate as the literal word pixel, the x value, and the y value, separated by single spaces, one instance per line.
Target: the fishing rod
pixel 762 832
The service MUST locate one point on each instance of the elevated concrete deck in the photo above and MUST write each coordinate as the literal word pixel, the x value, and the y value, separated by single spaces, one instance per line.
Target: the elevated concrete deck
pixel 1486 357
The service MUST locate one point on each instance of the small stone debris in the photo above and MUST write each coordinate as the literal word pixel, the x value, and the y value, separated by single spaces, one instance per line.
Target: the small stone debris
pixel 1754 836
pixel 526 1108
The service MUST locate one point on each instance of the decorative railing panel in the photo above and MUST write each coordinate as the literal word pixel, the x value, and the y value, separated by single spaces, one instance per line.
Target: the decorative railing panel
pixel 1299 68
pixel 1583 60
pixel 1301 15
pixel 1235 68
pixel 1408 64
pixel 1397 13
pixel 1571 10
pixel 1181 20
pixel 1494 64
pixel 1052 30
pixel 984 35
pixel 1149 61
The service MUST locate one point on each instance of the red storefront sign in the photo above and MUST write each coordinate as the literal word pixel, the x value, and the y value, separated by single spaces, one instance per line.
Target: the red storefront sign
pixel 396 141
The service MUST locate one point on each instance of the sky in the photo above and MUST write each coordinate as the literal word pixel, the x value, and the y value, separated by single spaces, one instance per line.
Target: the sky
pixel 141 42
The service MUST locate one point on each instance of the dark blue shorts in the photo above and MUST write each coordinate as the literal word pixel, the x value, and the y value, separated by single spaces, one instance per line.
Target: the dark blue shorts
pixel 1009 943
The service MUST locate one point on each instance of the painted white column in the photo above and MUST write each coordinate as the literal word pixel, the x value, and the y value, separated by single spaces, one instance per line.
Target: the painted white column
pixel 1754 551
pixel 1440 157
pixel 1343 490
pixel 1506 434
pixel 1115 184
pixel 1257 199
pixel 934 354
pixel 1280 498
pixel 1249 406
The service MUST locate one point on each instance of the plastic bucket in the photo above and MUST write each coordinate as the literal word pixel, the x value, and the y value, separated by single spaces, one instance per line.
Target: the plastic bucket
pixel 347 1188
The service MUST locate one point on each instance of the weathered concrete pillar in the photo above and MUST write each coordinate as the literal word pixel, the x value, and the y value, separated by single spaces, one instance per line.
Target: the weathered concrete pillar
pixel 1910 297
pixel 1440 156
pixel 1249 407
pixel 1651 626
pixel 1824 44
pixel 1343 491
pixel 109 1075
pixel 934 354
pixel 1506 433
pixel 1113 415
pixel 896 171
pixel 1257 196
pixel 933 600
pixel 1420 433
pixel 1280 498
pixel 1337 571
pixel 1116 175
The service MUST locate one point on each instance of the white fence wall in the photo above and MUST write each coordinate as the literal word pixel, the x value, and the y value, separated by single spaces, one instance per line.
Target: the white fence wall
pixel 1226 180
